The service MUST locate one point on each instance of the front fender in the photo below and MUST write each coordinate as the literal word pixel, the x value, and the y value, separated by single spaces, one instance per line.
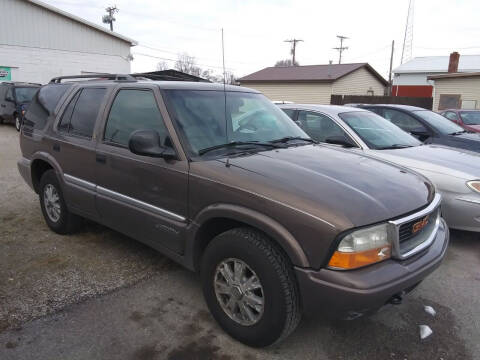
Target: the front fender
pixel 255 219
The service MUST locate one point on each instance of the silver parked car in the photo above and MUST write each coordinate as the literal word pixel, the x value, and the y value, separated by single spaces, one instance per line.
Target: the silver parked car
pixel 455 172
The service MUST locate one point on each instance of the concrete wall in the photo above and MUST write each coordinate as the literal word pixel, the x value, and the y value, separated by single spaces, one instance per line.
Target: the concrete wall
pixel 467 88
pixel 358 83
pixel 39 44
pixel 306 93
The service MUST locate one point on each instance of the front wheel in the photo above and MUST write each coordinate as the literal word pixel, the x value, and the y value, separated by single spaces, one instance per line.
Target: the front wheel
pixel 54 209
pixel 250 288
pixel 18 123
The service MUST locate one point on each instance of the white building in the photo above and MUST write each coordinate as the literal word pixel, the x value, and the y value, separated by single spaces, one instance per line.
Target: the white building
pixel 411 78
pixel 39 42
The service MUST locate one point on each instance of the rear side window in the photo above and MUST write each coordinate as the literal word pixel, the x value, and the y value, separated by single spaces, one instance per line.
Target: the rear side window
pixel 43 104
pixel 82 111
pixel 133 110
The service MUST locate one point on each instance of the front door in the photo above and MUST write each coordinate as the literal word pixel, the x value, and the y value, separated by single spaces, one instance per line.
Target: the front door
pixel 143 197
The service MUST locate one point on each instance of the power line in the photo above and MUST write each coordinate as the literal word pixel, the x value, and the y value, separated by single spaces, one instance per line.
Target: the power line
pixel 180 53
pixel 341 48
pixel 293 49
pixel 170 59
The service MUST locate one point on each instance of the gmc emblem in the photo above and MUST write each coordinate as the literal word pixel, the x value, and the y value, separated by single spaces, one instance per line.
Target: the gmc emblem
pixel 420 225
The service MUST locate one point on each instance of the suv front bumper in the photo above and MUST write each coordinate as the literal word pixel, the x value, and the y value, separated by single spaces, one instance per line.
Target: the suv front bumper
pixel 352 293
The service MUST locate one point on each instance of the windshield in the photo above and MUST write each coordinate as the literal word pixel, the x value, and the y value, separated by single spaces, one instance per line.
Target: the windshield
pixel 440 123
pixel 211 118
pixel 470 117
pixel 377 132
pixel 25 94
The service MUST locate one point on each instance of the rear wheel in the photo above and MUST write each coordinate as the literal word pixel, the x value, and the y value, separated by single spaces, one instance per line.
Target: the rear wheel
pixel 54 209
pixel 250 288
pixel 18 123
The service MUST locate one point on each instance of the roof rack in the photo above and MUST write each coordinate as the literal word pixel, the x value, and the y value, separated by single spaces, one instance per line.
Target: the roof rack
pixel 115 77
pixel 19 83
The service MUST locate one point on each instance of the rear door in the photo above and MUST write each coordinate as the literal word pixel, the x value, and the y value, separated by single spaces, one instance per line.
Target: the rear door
pixel 143 197
pixel 74 147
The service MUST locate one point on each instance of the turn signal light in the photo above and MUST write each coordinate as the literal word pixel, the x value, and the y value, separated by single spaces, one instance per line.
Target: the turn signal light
pixel 354 260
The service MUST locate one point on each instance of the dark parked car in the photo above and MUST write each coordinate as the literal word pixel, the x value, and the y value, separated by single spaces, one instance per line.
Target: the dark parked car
pixel 14 100
pixel 224 183
pixel 468 119
pixel 427 126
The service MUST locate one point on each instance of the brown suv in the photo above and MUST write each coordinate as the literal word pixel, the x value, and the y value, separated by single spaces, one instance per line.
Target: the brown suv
pixel 223 182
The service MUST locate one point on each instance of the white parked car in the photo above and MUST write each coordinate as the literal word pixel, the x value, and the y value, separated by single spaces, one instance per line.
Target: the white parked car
pixel 455 172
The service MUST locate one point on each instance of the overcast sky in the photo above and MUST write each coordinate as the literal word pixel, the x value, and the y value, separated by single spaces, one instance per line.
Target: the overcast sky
pixel 255 30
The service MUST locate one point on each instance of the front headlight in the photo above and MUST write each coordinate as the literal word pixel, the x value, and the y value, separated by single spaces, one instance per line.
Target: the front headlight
pixel 474 185
pixel 362 247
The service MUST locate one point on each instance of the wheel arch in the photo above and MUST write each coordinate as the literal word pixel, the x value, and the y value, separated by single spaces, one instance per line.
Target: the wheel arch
pixel 218 218
pixel 42 162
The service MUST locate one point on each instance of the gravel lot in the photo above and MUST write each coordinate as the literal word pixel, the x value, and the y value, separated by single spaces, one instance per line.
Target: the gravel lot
pixel 100 295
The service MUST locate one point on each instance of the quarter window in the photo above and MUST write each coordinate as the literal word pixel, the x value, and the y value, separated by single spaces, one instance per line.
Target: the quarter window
pixel 133 110
pixel 81 113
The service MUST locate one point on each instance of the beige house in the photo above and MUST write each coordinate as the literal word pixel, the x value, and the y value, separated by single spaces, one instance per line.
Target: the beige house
pixel 456 91
pixel 314 84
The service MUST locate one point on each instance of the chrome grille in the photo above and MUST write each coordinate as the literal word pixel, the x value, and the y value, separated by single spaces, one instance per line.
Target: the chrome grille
pixel 416 232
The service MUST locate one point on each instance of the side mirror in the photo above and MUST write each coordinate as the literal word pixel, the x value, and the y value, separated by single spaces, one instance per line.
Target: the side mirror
pixel 340 140
pixel 147 143
pixel 420 134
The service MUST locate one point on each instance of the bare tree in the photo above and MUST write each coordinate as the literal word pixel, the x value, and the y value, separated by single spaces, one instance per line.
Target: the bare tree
pixel 286 62
pixel 187 64
pixel 162 65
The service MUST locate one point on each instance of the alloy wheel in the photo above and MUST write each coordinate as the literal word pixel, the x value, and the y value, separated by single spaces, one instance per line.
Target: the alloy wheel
pixel 239 291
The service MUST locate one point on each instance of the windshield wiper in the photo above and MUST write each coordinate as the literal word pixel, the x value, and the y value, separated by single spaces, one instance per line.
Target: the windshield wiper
pixel 395 146
pixel 289 138
pixel 236 143
pixel 458 132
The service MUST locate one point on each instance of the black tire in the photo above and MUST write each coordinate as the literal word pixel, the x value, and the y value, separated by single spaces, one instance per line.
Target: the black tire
pixel 18 123
pixel 281 312
pixel 67 222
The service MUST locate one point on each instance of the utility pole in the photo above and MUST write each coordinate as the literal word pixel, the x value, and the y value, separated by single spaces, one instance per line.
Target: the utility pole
pixel 294 46
pixel 390 72
pixel 109 18
pixel 341 48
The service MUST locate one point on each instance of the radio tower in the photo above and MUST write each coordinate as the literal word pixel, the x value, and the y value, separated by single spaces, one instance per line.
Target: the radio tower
pixel 408 38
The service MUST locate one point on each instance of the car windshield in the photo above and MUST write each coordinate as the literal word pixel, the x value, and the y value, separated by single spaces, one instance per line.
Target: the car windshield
pixel 25 94
pixel 209 119
pixel 377 132
pixel 470 117
pixel 437 121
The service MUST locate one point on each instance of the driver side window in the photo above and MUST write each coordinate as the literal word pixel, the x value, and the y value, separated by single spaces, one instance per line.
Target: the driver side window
pixel 450 115
pixel 318 126
pixel 133 110
pixel 403 121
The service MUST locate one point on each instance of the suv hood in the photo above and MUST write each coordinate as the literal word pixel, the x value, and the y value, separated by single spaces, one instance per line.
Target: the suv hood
pixel 435 158
pixel 341 187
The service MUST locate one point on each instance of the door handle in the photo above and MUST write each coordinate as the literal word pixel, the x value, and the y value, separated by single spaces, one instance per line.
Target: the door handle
pixel 56 147
pixel 101 158
pixel 3 105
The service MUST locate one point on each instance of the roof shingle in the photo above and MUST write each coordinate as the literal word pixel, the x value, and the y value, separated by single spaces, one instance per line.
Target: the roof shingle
pixel 325 73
